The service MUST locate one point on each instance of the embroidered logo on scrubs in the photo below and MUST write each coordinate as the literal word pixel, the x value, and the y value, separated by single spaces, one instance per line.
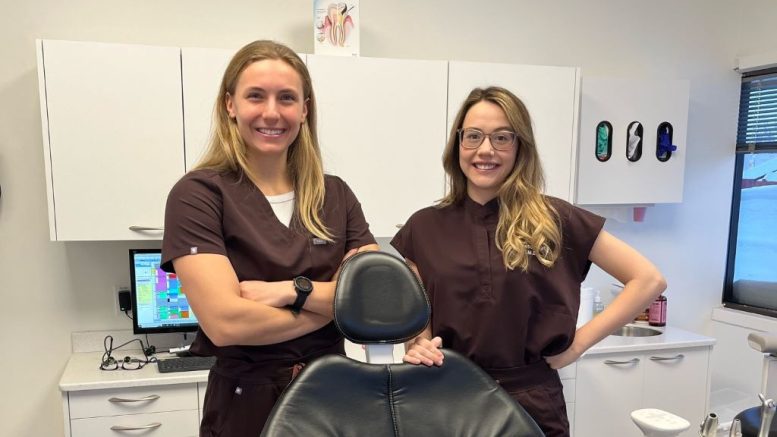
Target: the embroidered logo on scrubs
pixel 193 250
pixel 318 241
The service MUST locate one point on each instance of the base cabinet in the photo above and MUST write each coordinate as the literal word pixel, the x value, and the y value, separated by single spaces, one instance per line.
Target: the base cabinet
pixel 160 411
pixel 610 386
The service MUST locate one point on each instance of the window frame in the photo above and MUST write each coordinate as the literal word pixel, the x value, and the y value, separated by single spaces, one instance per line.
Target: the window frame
pixel 741 150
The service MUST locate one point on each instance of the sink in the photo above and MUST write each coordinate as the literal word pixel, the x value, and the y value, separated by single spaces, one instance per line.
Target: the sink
pixel 636 331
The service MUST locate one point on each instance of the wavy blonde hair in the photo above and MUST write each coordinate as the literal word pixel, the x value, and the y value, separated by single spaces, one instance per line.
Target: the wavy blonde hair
pixel 526 219
pixel 227 150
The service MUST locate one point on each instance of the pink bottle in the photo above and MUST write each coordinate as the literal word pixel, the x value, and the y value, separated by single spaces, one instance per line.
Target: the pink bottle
pixel 657 313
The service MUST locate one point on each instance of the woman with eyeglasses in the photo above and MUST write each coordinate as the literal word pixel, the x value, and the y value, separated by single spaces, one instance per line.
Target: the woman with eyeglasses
pixel 502 263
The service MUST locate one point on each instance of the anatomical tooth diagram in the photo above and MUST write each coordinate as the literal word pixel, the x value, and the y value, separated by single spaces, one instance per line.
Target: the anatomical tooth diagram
pixel 336 25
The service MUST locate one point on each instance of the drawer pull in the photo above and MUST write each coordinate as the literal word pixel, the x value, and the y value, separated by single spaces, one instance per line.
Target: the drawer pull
pixel 614 363
pixel 676 357
pixel 148 398
pixel 145 228
pixel 135 428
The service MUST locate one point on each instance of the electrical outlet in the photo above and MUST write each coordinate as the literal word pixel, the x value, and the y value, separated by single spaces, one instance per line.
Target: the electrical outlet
pixel 121 298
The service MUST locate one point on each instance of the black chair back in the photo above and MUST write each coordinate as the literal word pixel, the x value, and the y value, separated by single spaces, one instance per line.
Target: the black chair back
pixel 380 300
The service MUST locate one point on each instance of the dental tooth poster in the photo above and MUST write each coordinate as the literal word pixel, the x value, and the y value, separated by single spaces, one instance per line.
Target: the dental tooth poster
pixel 336 27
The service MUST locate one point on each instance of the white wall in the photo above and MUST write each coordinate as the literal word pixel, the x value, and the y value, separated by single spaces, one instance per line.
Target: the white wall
pixel 51 289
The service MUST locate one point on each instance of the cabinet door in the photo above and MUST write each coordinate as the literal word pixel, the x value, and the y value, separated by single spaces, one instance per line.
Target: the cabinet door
pixel 609 388
pixel 676 381
pixel 202 387
pixel 551 94
pixel 621 102
pixel 382 129
pixel 113 137
pixel 201 73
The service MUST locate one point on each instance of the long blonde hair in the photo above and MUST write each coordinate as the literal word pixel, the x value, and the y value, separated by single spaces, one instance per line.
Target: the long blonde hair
pixel 227 150
pixel 527 221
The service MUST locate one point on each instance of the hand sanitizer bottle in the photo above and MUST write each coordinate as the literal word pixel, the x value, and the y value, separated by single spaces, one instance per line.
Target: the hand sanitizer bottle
pixel 598 305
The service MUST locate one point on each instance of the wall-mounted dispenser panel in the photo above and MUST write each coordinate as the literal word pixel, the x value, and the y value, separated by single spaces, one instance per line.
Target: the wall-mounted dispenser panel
pixel 642 114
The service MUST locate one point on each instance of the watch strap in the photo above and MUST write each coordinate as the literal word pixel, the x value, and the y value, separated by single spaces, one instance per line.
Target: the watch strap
pixel 302 296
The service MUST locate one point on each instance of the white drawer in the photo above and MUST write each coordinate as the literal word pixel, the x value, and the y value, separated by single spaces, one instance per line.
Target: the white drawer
pixel 568 386
pixel 571 418
pixel 568 372
pixel 134 400
pixel 169 424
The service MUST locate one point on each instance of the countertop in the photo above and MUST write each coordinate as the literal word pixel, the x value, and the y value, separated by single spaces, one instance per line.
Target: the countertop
pixel 82 370
pixel 671 338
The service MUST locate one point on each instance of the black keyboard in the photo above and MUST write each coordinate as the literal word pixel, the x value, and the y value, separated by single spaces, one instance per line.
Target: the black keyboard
pixel 185 364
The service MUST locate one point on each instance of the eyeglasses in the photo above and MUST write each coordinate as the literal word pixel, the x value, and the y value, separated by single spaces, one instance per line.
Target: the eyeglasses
pixel 128 363
pixel 471 138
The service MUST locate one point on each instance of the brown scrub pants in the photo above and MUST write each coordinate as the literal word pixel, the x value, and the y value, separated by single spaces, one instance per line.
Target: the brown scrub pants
pixel 241 395
pixel 538 389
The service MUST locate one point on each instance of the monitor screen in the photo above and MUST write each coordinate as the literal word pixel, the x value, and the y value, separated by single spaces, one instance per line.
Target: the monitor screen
pixel 158 302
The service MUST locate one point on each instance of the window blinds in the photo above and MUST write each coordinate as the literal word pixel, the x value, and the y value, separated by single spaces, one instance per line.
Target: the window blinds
pixel 757 130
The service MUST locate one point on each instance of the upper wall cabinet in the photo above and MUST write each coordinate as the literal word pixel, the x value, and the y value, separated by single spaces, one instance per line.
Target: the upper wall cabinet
pixel 113 137
pixel 632 141
pixel 120 132
pixel 382 129
pixel 551 94
pixel 201 72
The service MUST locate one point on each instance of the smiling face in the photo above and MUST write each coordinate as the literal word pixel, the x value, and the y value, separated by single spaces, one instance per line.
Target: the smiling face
pixel 484 167
pixel 268 106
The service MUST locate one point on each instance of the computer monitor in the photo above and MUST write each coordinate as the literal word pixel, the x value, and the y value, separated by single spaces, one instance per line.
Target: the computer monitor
pixel 158 302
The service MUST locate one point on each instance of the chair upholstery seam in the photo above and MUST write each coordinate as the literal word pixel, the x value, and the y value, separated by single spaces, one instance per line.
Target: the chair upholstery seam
pixel 391 401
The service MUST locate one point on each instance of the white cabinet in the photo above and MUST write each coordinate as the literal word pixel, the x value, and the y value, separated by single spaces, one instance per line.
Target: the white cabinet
pixel 118 134
pixel 113 137
pixel 610 386
pixel 675 381
pixel 551 94
pixel 154 411
pixel 568 377
pixel 202 387
pixel 201 73
pixel 615 104
pixel 382 129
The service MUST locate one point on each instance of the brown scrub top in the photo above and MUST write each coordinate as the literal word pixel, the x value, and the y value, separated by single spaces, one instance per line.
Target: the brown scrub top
pixel 496 317
pixel 223 213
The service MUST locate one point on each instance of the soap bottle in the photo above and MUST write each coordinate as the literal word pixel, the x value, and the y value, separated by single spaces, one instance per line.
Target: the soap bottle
pixel 598 305
pixel 658 312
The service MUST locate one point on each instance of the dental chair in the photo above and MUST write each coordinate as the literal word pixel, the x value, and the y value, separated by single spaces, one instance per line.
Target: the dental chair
pixel 760 421
pixel 380 302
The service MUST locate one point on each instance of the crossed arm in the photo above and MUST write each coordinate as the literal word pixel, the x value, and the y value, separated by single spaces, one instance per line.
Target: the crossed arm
pixel 251 312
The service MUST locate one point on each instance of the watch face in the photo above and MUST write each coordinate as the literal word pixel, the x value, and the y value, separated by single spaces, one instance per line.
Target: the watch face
pixel 303 284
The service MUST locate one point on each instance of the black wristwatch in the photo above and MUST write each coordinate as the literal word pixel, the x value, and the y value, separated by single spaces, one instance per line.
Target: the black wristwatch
pixel 303 286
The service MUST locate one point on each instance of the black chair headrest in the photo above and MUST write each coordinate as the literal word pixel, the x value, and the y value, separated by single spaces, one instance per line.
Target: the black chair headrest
pixel 378 299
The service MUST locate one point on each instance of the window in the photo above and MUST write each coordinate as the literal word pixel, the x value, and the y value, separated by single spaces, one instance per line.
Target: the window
pixel 751 269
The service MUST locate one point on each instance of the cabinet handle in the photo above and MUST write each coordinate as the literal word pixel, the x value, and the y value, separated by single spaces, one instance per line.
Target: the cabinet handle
pixel 148 398
pixel 135 428
pixel 676 357
pixel 145 228
pixel 612 362
pixel 399 225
